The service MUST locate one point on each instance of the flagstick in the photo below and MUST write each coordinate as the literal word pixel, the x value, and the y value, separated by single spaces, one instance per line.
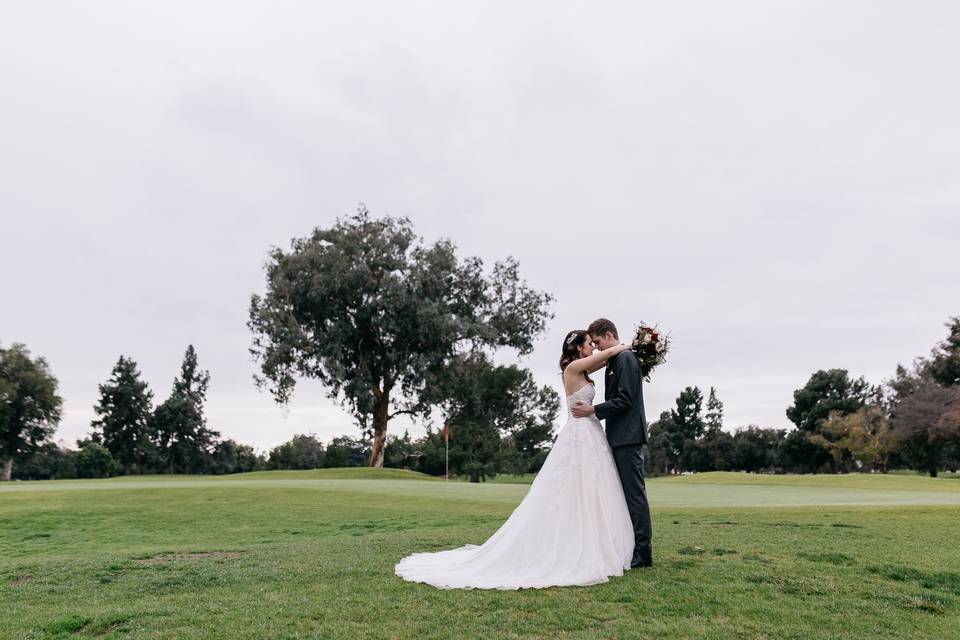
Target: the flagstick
pixel 446 439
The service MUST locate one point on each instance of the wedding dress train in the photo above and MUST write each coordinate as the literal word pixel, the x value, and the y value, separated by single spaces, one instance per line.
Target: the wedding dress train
pixel 572 528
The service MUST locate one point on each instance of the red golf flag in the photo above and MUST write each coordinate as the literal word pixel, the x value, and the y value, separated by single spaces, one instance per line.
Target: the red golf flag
pixel 446 433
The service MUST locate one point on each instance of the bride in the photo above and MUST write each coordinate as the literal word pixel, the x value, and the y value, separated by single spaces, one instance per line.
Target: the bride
pixel 572 528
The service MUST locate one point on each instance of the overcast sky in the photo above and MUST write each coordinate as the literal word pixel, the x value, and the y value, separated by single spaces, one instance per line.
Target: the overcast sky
pixel 776 183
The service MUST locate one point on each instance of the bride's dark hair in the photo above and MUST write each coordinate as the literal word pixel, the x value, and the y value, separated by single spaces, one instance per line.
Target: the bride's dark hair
pixel 571 349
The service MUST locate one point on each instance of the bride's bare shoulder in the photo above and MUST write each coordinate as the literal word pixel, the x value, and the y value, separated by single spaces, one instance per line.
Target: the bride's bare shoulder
pixel 573 383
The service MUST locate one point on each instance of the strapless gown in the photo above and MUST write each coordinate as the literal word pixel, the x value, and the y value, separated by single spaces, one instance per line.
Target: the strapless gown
pixel 572 527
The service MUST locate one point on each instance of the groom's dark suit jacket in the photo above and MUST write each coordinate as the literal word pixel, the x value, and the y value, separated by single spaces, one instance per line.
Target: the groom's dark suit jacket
pixel 626 422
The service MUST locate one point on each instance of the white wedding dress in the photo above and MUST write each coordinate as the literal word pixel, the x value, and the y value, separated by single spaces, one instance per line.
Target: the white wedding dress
pixel 572 528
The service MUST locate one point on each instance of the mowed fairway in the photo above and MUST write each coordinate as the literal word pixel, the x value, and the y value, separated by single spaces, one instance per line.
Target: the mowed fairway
pixel 310 555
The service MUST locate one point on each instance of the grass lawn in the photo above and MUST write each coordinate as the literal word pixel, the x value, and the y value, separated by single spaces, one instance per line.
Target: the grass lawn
pixel 310 555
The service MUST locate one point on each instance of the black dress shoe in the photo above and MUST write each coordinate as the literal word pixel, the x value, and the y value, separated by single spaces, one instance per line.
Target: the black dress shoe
pixel 642 557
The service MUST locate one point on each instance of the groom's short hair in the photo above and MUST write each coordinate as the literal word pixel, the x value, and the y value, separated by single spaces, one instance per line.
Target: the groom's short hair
pixel 600 326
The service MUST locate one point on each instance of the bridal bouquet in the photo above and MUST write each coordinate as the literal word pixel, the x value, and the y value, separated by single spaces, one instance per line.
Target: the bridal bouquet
pixel 650 346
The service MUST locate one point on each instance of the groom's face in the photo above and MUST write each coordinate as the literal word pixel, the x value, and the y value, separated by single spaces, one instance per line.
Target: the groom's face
pixel 604 341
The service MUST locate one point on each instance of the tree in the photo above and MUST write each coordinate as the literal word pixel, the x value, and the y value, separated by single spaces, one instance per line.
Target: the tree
pixel 370 311
pixel 714 416
pixel 344 451
pixel 123 415
pixel 717 445
pixel 483 403
pixel 824 393
pixel 526 449
pixel 30 408
pixel 686 427
pixel 93 460
pixel 230 456
pixel 399 451
pixel 48 462
pixel 866 436
pixel 755 448
pixel 300 452
pixel 927 423
pixel 921 389
pixel 687 417
pixel 661 456
pixel 475 450
pixel 798 454
pixel 178 426
pixel 528 425
pixel 945 358
pixel 905 383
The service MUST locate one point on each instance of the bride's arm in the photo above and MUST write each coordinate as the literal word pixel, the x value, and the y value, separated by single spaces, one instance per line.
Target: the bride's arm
pixel 595 361
pixel 597 367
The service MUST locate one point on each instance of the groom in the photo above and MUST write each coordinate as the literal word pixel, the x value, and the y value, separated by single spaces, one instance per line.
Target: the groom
pixel 626 427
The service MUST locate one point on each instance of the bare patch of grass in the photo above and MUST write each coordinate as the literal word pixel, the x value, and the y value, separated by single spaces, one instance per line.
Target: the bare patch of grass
pixel 695 550
pixel 839 559
pixel 196 555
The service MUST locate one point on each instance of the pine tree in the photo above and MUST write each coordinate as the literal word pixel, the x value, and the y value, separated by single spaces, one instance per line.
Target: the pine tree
pixel 192 382
pixel 123 415
pixel 945 360
pixel 717 444
pixel 686 427
pixel 687 419
pixel 826 392
pixel 714 416
pixel 178 424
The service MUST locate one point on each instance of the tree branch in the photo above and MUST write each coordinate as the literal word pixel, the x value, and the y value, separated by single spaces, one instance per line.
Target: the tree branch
pixel 411 412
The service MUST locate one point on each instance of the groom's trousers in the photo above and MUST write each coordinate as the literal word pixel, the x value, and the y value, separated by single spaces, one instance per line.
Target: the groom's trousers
pixel 629 461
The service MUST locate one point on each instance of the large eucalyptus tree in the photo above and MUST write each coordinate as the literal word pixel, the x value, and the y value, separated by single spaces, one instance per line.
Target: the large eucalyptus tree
pixel 30 407
pixel 372 312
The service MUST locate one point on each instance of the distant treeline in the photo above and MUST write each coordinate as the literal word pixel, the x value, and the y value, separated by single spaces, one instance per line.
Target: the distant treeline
pixel 911 421
pixel 391 325
pixel 303 451
pixel 503 422
pixel 94 460
pixel 500 422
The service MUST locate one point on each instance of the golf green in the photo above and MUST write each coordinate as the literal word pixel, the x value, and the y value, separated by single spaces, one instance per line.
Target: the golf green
pixel 310 554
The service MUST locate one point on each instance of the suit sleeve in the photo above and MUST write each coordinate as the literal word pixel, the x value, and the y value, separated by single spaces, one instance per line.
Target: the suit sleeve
pixel 622 398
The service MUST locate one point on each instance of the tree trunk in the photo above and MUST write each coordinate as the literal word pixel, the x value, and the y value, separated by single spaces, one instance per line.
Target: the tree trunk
pixel 379 431
pixel 7 468
pixel 932 465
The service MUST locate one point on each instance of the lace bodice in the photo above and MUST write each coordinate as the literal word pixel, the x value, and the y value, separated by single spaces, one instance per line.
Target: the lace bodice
pixel 583 394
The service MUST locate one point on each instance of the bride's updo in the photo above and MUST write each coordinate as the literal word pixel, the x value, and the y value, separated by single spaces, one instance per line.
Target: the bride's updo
pixel 571 349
